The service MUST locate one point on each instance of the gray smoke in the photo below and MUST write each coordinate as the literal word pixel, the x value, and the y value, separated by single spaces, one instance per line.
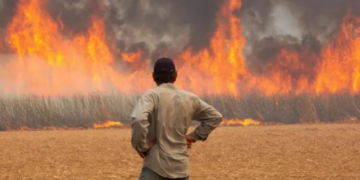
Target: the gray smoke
pixel 299 19
pixel 156 26
pixel 7 10
pixel 298 26
pixel 163 27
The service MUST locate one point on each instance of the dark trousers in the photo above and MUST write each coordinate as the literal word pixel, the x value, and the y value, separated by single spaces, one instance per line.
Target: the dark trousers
pixel 148 174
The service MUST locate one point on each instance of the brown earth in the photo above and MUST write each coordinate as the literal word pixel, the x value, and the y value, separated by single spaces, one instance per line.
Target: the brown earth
pixel 262 152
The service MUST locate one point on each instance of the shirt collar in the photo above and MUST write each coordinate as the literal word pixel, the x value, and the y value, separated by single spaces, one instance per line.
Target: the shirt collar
pixel 168 85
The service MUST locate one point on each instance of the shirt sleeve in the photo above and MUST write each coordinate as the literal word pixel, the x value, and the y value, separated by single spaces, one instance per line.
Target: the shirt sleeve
pixel 139 122
pixel 209 118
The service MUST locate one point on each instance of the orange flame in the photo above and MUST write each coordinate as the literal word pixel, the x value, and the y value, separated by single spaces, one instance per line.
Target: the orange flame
pixel 131 57
pixel 216 70
pixel 108 124
pixel 339 70
pixel 245 122
pixel 50 63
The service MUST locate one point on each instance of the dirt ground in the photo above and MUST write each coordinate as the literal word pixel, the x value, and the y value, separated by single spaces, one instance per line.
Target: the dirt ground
pixel 262 152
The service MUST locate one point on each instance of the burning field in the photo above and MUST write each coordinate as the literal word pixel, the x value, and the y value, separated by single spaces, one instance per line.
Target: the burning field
pixel 45 56
pixel 254 152
pixel 82 62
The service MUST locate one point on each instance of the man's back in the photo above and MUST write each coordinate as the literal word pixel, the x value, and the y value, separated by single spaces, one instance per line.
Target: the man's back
pixel 164 115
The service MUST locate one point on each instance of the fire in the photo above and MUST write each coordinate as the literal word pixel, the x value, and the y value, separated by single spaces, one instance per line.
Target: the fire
pixel 47 62
pixel 108 124
pixel 245 122
pixel 339 70
pixel 216 70
pixel 131 57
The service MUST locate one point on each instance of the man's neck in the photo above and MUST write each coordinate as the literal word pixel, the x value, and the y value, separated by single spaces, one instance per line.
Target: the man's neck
pixel 165 83
pixel 168 85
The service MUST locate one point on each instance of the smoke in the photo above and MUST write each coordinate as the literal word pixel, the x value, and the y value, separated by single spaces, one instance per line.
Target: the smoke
pixel 299 19
pixel 304 27
pixel 155 26
pixel 163 27
pixel 7 10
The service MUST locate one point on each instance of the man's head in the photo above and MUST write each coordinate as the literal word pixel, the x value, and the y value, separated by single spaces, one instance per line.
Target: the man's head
pixel 164 71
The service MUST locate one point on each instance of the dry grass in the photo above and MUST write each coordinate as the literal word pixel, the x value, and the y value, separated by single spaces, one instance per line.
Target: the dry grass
pixel 84 110
pixel 264 152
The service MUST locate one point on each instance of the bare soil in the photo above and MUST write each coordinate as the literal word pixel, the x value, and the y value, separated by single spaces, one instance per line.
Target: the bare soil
pixel 257 152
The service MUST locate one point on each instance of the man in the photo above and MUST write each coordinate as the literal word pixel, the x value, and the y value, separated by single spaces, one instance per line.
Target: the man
pixel 160 121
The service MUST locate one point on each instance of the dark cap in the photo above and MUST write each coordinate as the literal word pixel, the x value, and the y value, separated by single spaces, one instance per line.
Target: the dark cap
pixel 164 65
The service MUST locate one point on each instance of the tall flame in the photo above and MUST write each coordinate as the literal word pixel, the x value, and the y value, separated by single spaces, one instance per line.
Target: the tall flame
pixel 47 62
pixel 339 70
pixel 216 70
pixel 50 63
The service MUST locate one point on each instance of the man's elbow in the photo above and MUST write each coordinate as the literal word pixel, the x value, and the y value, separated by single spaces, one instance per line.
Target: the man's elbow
pixel 218 121
pixel 218 118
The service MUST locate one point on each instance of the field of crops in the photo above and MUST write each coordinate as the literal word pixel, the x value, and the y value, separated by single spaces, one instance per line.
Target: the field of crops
pixel 255 152
pixel 85 110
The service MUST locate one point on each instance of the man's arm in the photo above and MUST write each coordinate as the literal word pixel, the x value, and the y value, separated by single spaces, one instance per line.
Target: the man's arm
pixel 139 123
pixel 209 118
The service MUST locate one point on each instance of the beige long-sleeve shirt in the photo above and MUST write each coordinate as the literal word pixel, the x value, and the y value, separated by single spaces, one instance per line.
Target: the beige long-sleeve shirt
pixel 164 114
